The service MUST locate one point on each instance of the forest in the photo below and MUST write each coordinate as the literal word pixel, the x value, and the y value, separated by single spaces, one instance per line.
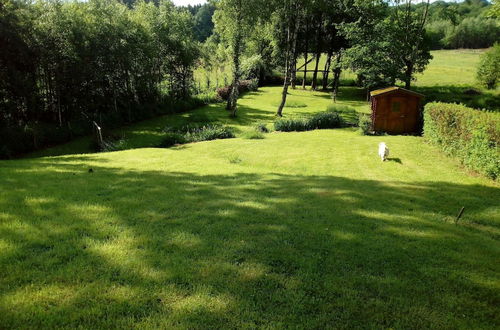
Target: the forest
pixel 70 67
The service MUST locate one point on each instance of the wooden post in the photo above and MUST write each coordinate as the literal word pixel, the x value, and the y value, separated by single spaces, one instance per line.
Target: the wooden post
pixel 459 214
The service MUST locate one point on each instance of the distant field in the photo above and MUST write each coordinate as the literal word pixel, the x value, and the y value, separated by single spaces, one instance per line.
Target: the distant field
pixel 451 67
pixel 448 67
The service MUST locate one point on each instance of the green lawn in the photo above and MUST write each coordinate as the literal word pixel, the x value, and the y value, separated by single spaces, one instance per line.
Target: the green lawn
pixel 454 67
pixel 301 230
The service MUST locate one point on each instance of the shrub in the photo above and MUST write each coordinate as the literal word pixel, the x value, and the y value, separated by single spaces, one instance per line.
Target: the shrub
pixel 291 124
pixel 348 114
pixel 325 120
pixel 261 127
pixel 470 135
pixel 365 124
pixel 321 120
pixel 488 72
pixel 253 135
pixel 172 138
pixel 245 86
pixel 208 132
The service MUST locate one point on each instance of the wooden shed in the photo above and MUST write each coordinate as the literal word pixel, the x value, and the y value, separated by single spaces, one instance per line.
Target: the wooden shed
pixel 396 110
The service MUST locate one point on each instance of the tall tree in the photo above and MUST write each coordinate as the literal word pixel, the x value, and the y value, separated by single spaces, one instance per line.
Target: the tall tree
pixel 291 14
pixel 233 21
pixel 406 28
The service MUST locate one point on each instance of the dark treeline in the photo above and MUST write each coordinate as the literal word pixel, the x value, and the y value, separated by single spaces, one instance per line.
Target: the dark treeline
pixel 65 65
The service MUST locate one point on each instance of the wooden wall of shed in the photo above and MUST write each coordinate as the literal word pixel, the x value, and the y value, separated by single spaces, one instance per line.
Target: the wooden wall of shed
pixel 384 120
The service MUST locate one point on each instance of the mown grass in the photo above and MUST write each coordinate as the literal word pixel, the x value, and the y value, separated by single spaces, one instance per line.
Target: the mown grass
pixel 303 230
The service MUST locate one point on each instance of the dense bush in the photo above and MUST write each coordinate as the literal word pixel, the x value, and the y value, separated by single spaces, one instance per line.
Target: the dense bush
pixel 207 133
pixel 322 120
pixel 172 138
pixel 488 72
pixel 195 133
pixel 261 127
pixel 471 135
pixel 365 124
pixel 292 124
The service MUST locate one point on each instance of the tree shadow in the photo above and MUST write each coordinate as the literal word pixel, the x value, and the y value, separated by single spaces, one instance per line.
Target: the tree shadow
pixel 461 94
pixel 124 247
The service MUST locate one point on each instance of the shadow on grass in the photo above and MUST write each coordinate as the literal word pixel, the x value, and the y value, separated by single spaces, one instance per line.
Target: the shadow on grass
pixel 396 160
pixel 465 95
pixel 128 248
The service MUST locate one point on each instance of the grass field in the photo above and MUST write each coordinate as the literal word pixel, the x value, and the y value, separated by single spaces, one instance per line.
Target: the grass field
pixel 305 230
pixel 455 67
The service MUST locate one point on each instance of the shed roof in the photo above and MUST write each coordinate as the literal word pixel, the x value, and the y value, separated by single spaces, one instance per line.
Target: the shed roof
pixel 378 92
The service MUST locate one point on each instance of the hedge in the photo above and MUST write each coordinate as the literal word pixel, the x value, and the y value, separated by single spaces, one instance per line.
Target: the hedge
pixel 473 136
pixel 321 120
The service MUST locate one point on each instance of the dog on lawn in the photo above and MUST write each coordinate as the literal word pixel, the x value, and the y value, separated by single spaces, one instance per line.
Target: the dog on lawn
pixel 383 151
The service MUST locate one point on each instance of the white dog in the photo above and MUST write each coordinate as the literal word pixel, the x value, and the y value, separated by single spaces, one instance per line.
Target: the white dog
pixel 383 151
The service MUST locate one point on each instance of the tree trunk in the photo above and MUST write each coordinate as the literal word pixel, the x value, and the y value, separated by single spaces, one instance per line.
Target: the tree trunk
pixel 291 52
pixel 306 36
pixel 233 96
pixel 336 76
pixel 327 70
pixel 314 83
pixel 408 74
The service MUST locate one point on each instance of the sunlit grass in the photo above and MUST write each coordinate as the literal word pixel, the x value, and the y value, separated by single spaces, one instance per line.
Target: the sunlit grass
pixel 303 230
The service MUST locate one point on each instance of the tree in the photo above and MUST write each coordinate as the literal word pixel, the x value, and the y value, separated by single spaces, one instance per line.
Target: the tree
pixel 488 72
pixel 233 21
pixel 291 14
pixel 494 11
pixel 406 28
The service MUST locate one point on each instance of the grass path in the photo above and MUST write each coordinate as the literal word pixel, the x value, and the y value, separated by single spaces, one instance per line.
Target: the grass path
pixel 296 230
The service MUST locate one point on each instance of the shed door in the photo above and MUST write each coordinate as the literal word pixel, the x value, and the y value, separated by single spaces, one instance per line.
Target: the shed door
pixel 398 111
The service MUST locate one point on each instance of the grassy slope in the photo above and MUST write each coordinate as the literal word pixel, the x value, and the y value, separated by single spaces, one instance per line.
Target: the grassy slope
pixel 149 133
pixel 299 229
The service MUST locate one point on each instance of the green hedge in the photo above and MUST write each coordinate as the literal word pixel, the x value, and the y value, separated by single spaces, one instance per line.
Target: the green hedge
pixel 471 135
pixel 321 120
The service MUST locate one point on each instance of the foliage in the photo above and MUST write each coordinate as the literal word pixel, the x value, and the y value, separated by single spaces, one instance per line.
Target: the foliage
pixel 243 86
pixel 488 72
pixel 172 138
pixel 207 133
pixel 261 127
pixel 292 125
pixel 321 120
pixel 66 64
pixel 253 134
pixel 462 25
pixel 324 120
pixel 365 124
pixel 470 135
pixel 195 133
